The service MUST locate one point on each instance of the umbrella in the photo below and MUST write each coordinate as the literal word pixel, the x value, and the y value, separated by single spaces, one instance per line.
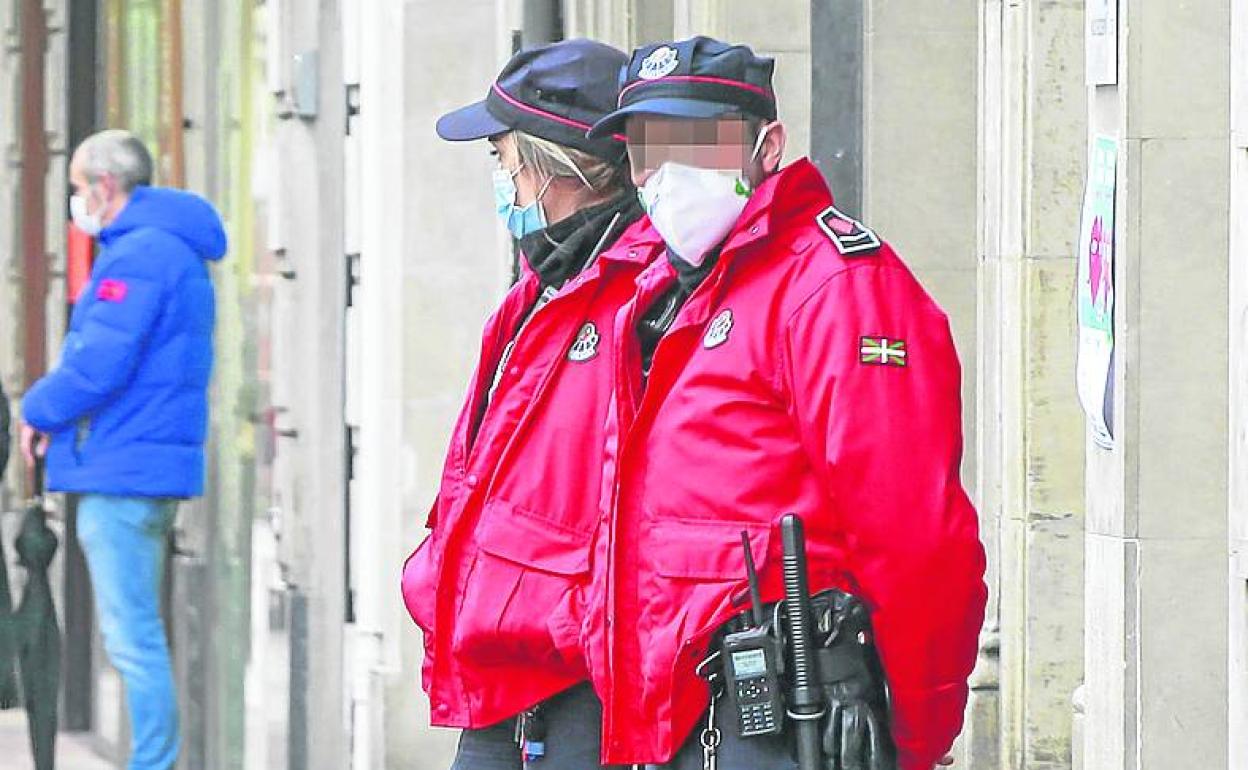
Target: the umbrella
pixel 8 639
pixel 38 635
pixel 8 650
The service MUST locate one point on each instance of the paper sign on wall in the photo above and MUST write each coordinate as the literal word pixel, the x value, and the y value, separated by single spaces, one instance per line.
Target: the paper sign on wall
pixel 1095 291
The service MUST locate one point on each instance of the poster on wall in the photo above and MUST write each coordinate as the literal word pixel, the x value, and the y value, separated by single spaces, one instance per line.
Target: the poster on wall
pixel 1102 42
pixel 1095 292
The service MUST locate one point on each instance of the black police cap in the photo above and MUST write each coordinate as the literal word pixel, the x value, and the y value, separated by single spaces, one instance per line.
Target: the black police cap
pixel 696 78
pixel 556 92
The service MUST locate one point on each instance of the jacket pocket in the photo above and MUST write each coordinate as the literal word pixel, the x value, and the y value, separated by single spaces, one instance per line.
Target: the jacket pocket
pixel 520 600
pixel 423 568
pixel 700 550
pixel 82 432
pixel 419 585
pixel 512 533
pixel 690 570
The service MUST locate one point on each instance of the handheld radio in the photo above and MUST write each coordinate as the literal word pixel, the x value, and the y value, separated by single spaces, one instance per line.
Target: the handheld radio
pixel 752 666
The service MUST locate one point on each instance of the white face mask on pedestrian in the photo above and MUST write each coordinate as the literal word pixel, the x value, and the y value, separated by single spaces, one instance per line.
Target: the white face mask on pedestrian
pixel 84 220
pixel 694 208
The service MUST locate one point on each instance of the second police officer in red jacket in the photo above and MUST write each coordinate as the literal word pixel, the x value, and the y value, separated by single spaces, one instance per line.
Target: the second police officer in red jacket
pixel 494 586
pixel 781 358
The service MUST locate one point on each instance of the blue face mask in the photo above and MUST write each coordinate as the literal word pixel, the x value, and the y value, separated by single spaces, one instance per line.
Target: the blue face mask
pixel 520 221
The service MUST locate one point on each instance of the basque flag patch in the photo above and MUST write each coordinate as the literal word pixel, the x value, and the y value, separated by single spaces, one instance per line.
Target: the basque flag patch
pixel 882 351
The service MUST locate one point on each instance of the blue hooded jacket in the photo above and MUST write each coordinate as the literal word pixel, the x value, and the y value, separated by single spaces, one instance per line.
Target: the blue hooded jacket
pixel 127 406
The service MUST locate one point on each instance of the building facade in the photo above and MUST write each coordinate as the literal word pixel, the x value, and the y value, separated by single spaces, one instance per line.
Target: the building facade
pixel 365 257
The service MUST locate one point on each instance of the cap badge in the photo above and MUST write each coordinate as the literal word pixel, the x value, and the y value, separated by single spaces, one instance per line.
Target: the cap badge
pixel 660 62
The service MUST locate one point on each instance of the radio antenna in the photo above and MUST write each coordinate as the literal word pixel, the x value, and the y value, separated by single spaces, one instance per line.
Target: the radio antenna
pixel 756 595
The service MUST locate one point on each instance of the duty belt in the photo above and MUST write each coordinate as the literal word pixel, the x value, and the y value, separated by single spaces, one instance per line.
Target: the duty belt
pixel 855 722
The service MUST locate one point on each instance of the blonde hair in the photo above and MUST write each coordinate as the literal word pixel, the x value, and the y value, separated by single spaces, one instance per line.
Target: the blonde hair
pixel 550 159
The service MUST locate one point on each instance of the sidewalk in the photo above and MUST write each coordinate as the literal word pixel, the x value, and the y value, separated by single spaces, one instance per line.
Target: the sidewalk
pixel 72 752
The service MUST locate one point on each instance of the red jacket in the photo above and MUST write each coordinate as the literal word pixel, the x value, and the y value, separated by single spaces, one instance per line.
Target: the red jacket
pixel 492 584
pixel 797 378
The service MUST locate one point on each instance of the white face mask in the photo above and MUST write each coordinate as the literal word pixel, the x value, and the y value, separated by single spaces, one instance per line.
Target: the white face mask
pixel 694 208
pixel 87 222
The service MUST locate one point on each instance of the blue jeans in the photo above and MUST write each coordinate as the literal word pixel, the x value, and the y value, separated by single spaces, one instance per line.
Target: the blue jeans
pixel 124 542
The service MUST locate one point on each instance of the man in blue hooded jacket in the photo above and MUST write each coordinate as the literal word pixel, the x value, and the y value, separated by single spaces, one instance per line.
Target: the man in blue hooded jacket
pixel 123 416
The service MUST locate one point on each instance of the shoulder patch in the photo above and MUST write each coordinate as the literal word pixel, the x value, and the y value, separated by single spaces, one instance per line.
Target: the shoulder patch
pixel 848 234
pixel 882 351
pixel 111 290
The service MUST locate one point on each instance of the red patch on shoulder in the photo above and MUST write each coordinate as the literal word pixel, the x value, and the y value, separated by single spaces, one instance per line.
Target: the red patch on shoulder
pixel 111 290
pixel 840 225
pixel 850 236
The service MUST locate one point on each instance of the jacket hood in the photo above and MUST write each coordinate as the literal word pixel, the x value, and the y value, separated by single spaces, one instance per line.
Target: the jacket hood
pixel 185 215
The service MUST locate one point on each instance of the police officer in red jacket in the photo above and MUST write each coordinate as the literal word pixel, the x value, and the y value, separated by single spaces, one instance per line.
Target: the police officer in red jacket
pixel 782 358
pixel 495 585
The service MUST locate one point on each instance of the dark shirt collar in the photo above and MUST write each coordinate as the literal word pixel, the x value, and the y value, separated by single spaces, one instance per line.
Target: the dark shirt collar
pixel 561 250
pixel 688 275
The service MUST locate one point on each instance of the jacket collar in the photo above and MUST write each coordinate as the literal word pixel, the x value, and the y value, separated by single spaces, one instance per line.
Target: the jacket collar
pixel 636 244
pixel 797 192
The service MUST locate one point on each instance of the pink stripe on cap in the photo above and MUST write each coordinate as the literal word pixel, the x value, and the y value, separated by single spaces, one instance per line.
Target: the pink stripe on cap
pixel 514 102
pixel 697 79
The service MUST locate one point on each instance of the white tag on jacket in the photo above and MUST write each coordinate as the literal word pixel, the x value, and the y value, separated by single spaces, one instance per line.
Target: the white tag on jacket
pixel 717 332
pixel 585 346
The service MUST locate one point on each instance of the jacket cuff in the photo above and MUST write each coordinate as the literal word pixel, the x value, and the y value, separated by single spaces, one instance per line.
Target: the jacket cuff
pixel 33 413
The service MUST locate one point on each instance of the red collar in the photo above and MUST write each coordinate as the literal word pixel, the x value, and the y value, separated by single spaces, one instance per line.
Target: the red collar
pixel 797 192
pixel 636 244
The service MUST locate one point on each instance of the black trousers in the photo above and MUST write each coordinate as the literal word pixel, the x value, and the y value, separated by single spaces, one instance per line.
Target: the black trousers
pixel 573 737
pixel 764 752
pixel 574 733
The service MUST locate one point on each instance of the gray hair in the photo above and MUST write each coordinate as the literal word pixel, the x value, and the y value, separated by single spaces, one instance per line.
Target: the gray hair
pixel 117 153
pixel 551 159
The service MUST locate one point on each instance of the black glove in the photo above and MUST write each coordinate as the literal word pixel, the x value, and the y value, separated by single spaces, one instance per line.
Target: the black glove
pixel 856 733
